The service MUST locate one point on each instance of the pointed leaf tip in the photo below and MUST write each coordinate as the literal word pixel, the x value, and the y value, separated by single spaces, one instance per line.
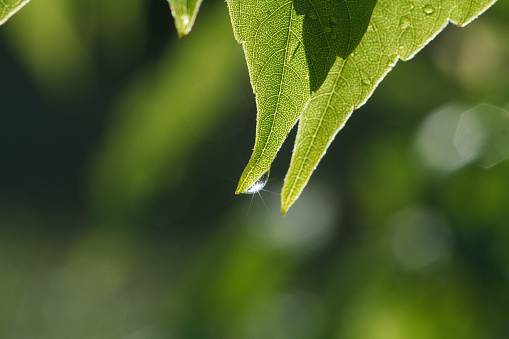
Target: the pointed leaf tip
pixel 184 14
pixel 397 31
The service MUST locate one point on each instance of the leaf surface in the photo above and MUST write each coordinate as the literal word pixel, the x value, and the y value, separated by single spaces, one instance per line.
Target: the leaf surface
pixel 398 30
pixel 9 7
pixel 184 13
pixel 290 46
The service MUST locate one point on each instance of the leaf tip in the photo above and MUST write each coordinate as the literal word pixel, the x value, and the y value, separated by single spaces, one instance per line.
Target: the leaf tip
pixel 254 177
pixel 184 25
pixel 241 187
pixel 285 205
pixel 184 16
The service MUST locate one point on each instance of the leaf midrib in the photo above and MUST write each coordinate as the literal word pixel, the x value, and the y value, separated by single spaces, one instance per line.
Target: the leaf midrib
pixel 330 94
pixel 285 62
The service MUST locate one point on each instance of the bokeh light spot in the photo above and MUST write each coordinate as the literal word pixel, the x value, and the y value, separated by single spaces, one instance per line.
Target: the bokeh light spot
pixel 483 135
pixel 435 139
pixel 421 238
pixel 84 301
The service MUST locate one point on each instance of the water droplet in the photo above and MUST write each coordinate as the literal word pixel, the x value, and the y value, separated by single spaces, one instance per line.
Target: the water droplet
pixel 185 20
pixel 428 9
pixel 259 184
pixel 404 22
pixel 313 16
pixel 328 29
pixel 366 81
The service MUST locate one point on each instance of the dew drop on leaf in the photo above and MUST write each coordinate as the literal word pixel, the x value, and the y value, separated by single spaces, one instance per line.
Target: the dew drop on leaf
pixel 428 9
pixel 185 20
pixel 258 184
pixel 366 81
pixel 404 22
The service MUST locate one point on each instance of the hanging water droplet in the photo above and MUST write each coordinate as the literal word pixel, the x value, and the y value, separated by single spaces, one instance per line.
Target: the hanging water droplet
pixel 428 9
pixel 185 20
pixel 312 15
pixel 404 22
pixel 259 184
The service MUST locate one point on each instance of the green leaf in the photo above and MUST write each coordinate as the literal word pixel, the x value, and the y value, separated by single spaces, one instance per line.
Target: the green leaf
pixel 9 7
pixel 290 47
pixel 184 13
pixel 398 30
pixel 331 29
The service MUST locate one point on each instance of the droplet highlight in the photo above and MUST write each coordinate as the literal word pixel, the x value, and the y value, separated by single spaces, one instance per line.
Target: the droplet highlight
pixel 404 22
pixel 259 184
pixel 428 9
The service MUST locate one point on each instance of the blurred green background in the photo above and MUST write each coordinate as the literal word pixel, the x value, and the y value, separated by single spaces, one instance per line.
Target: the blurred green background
pixel 120 147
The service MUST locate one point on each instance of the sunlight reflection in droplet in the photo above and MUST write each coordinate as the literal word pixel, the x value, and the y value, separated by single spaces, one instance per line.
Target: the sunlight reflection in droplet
pixel 259 184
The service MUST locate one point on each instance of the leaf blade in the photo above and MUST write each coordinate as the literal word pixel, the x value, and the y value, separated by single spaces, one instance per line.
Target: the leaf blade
pixel 321 122
pixel 277 68
pixel 9 7
pixel 284 63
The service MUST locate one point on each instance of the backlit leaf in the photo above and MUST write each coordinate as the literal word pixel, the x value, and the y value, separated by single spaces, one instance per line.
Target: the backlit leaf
pixel 9 7
pixel 398 30
pixel 184 13
pixel 290 47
